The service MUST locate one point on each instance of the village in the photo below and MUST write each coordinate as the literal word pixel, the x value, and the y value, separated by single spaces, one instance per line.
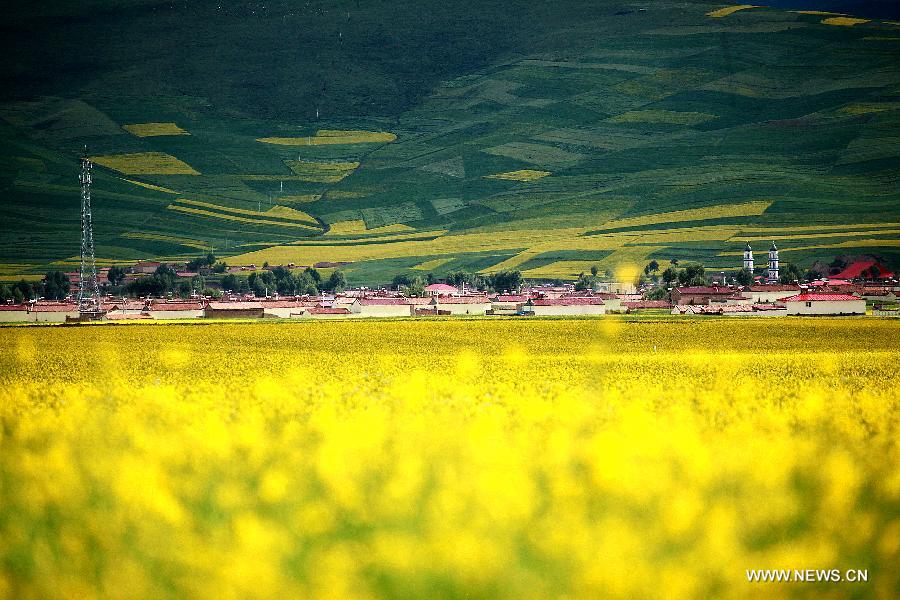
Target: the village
pixel 852 292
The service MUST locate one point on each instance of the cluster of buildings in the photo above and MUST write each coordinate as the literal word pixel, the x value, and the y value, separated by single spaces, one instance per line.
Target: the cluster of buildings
pixel 822 298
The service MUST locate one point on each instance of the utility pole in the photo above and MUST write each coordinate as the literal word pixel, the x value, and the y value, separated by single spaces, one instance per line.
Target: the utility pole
pixel 88 286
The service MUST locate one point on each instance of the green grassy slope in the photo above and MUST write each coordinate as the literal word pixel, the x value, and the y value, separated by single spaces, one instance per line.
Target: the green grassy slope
pixel 664 132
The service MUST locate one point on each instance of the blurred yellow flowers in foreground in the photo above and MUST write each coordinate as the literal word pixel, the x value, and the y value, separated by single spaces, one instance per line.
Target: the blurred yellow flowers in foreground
pixel 609 458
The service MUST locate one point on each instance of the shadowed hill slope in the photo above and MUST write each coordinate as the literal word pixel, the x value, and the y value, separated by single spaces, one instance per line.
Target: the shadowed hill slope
pixel 546 137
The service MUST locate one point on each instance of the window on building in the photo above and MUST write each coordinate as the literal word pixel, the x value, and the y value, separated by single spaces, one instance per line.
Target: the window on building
pixel 809 304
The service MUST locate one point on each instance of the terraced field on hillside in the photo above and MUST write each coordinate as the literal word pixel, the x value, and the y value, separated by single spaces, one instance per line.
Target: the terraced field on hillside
pixel 675 131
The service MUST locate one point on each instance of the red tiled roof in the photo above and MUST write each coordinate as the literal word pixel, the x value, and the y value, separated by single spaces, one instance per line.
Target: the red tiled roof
pixel 54 308
pixel 567 301
pixel 13 307
pixel 463 300
pixel 819 298
pixel 440 287
pixel 854 270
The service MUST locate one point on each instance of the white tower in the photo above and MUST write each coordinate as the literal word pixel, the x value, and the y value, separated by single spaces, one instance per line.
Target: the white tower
pixel 748 258
pixel 773 264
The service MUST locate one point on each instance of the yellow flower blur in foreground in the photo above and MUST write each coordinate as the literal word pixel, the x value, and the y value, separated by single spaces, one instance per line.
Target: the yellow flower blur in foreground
pixel 607 458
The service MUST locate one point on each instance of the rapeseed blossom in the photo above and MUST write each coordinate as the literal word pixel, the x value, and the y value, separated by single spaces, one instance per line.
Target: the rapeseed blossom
pixel 477 459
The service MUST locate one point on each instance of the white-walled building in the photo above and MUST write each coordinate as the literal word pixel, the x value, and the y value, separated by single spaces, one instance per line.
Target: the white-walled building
pixel 14 313
pixel 770 293
pixel 52 312
pixel 824 304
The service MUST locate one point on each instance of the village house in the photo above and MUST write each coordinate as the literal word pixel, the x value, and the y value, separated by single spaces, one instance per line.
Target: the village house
pixel 144 266
pixel 701 294
pixel 770 293
pixel 381 307
pixel 864 269
pixel 324 312
pixel 286 309
pixel 234 310
pixel 14 313
pixel 52 312
pixel 507 304
pixel 166 311
pixel 441 289
pixel 462 305
pixel 811 303
pixel 612 302
pixel 569 305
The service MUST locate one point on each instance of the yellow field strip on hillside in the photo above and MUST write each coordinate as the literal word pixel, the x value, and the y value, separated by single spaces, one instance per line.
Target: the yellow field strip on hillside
pixel 538 240
pixel 867 108
pixel 728 10
pixel 154 129
pixel 523 175
pixel 746 209
pixel 363 239
pixel 150 186
pixel 158 237
pixel 325 137
pixel 283 212
pixel 844 21
pixel 226 217
pixel 145 163
pixel 358 227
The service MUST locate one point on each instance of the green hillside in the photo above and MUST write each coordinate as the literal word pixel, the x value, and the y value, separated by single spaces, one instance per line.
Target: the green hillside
pixel 542 136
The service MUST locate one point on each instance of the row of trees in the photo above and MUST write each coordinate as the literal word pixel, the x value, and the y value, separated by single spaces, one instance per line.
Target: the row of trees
pixel 56 286
pixel 499 282
pixel 285 282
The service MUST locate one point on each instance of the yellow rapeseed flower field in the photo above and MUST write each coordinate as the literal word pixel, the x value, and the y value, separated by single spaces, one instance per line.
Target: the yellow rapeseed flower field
pixel 145 163
pixel 591 458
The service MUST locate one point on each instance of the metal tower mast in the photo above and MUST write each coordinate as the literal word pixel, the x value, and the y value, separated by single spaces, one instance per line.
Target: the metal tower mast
pixel 88 286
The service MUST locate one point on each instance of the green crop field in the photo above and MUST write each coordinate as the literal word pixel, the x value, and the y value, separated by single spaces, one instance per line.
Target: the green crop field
pixel 468 135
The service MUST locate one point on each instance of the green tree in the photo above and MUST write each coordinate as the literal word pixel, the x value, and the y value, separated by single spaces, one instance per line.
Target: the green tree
pixel 314 275
pixel 337 282
pixel 670 275
pixel 115 275
pixel 5 293
pixel 657 293
pixel 414 286
pixel 56 285
pixel 789 273
pixel 18 296
pixel 506 281
pixel 585 282
pixel 744 277
pixel 652 267
pixel 594 270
